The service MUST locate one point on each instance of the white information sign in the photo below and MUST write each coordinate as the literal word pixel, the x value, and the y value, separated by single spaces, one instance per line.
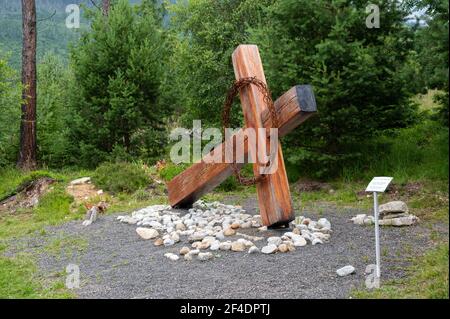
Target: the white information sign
pixel 379 184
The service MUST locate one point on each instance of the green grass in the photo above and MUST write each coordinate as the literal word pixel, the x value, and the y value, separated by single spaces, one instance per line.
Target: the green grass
pixel 18 274
pixel 18 280
pixel 53 208
pixel 426 101
pixel 66 246
pixel 121 177
pixel 428 278
pixel 418 153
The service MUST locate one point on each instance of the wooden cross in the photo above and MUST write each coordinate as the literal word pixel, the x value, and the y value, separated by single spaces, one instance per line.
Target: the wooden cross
pixel 292 108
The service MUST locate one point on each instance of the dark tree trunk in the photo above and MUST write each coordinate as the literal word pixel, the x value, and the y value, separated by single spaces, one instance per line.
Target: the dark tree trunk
pixel 27 156
pixel 105 6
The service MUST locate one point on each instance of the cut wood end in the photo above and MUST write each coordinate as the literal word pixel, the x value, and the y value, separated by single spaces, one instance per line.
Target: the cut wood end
pixel 306 98
pixel 242 47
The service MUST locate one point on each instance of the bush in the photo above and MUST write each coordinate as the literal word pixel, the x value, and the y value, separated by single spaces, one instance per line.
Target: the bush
pixel 117 67
pixel 326 44
pixel 418 152
pixel 171 170
pixel 120 177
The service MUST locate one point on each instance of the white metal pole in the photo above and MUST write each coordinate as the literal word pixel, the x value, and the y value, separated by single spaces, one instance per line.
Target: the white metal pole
pixel 377 232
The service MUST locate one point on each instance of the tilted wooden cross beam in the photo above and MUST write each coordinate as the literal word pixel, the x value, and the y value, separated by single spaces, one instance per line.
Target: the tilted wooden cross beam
pixel 292 108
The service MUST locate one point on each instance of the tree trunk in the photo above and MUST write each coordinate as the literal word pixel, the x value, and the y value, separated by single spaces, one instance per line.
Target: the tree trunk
pixel 27 156
pixel 105 6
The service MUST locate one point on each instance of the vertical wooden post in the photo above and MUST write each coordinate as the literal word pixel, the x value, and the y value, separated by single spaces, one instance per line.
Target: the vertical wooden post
pixel 27 155
pixel 274 197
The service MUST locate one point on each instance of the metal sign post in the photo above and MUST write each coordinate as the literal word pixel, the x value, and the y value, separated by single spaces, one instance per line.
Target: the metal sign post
pixel 377 185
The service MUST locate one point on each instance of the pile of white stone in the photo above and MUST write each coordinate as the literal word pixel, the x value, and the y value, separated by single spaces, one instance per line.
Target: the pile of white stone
pixel 394 213
pixel 212 227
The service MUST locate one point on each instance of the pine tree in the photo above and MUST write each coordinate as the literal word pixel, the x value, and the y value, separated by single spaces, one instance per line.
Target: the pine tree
pixel 117 67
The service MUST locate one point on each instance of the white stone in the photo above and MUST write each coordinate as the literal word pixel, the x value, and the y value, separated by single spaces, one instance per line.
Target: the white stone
pixel 185 250
pixel 180 226
pixel 323 223
pixel 321 236
pixel 194 252
pixel 237 246
pixel 246 225
pixel 129 220
pixel 229 232
pixel 300 241
pixel 209 239
pixel 168 242
pixel 197 236
pixel 253 250
pixel 205 256
pixel 269 249
pixel 225 246
pixel 220 235
pixel 215 245
pixel 316 241
pixel 172 256
pixel 369 220
pixel 274 240
pixel 359 219
pixel 400 221
pixel 392 207
pixel 87 222
pixel 346 270
pixel 147 233
pixel 82 180
pixel 175 237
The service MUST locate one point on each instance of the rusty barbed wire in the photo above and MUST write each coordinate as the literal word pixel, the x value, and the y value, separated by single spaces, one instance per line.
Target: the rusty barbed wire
pixel 236 87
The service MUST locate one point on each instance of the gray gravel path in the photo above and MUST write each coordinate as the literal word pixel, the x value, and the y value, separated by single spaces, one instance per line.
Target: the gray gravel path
pixel 115 263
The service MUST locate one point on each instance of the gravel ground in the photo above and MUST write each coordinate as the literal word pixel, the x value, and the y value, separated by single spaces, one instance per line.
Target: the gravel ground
pixel 115 263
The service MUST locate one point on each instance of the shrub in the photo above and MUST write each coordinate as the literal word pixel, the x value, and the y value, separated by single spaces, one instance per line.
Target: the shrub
pixel 120 177
pixel 171 170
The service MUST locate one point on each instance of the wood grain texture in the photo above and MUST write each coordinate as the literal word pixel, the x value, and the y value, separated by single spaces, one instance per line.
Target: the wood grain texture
pixel 200 178
pixel 274 198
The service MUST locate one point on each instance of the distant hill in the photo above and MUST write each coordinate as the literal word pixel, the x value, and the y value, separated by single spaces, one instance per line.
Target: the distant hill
pixel 53 36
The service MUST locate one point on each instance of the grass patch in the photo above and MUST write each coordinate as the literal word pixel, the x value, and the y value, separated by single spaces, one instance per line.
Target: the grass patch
pixel 18 280
pixel 66 245
pixel 428 278
pixel 12 180
pixel 417 153
pixel 53 208
pixel 121 177
pixel 171 170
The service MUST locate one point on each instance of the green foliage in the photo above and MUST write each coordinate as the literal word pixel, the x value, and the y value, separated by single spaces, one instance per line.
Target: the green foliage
pixel 142 195
pixel 117 67
pixel 432 45
pixel 171 170
pixel 120 177
pixel 356 74
pixel 10 99
pixel 416 153
pixel 428 279
pixel 53 35
pixel 14 180
pixel 18 280
pixel 205 34
pixel 54 206
pixel 54 81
